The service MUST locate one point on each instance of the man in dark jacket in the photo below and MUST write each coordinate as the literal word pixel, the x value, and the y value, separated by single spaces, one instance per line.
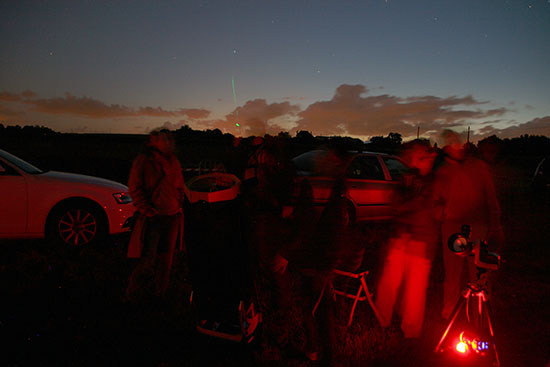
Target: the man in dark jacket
pixel 156 187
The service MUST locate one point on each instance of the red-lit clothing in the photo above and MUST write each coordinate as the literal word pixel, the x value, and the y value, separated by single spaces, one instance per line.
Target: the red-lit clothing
pixel 409 274
pixel 467 193
pixel 152 273
pixel 467 196
pixel 156 187
pixel 414 211
pixel 156 182
pixel 410 252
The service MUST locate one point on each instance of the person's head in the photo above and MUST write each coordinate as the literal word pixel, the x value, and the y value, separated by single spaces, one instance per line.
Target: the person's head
pixel 489 149
pixel 162 140
pixel 453 146
pixel 419 154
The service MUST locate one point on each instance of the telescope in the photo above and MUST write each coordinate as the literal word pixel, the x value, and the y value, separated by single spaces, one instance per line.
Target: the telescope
pixel 460 244
pixel 472 341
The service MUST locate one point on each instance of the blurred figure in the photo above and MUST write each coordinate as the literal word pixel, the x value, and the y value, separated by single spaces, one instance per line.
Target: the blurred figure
pixel 321 253
pixel 266 189
pixel 156 186
pixel 411 251
pixel 466 194
pixel 321 243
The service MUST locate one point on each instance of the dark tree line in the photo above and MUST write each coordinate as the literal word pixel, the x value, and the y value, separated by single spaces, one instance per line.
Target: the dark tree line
pixel 27 130
pixel 215 142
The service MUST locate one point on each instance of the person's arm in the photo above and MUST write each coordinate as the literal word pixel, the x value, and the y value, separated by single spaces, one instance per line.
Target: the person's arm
pixel 136 188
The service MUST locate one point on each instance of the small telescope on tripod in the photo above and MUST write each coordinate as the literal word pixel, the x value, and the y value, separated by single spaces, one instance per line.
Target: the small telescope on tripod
pixel 474 341
pixel 460 244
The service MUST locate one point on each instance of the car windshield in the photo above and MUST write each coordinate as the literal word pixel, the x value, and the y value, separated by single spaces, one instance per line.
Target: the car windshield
pixel 395 167
pixel 19 163
pixel 306 163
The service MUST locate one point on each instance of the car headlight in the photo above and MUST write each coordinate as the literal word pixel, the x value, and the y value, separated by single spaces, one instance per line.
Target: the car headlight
pixel 122 197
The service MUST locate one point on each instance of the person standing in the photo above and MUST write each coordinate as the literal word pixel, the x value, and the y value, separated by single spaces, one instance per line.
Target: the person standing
pixel 411 250
pixel 465 191
pixel 156 187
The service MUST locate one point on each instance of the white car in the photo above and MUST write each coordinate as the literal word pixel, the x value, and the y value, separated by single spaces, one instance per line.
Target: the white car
pixel 71 208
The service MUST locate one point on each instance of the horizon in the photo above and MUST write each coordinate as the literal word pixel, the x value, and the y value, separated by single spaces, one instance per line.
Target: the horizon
pixel 434 140
pixel 357 69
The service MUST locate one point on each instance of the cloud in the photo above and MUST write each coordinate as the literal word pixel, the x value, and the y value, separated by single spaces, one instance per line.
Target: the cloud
pixel 28 94
pixel 9 97
pixel 352 112
pixel 93 108
pixel 537 126
pixel 255 117
pixel 8 113
pixel 294 98
pixel 193 113
pixel 171 126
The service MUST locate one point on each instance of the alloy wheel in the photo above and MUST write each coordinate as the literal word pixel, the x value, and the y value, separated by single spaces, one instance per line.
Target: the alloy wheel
pixel 77 227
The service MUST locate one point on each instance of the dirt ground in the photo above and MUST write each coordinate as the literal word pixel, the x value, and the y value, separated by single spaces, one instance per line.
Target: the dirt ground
pixel 62 306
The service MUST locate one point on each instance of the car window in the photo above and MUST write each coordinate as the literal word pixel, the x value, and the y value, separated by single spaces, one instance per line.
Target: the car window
pixel 309 163
pixel 395 167
pixel 25 166
pixel 543 169
pixel 365 167
pixel 6 170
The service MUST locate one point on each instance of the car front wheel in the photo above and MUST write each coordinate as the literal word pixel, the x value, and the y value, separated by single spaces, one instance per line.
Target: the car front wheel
pixel 78 225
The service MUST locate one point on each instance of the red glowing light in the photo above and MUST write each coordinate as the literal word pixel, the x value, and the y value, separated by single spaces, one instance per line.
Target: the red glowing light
pixel 467 343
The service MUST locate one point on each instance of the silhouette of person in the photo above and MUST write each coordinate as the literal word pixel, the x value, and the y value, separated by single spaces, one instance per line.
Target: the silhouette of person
pixel 156 187
pixel 318 253
pixel 411 251
pixel 465 190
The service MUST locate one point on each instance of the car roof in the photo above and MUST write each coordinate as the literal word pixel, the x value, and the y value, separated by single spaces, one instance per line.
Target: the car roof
pixel 306 162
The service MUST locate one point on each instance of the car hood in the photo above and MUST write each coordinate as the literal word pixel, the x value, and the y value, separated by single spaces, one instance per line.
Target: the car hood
pixel 76 178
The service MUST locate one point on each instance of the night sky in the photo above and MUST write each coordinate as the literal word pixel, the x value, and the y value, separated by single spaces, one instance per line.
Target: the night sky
pixel 354 68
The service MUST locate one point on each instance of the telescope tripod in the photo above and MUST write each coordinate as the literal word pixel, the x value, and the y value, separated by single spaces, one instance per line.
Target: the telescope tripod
pixel 478 293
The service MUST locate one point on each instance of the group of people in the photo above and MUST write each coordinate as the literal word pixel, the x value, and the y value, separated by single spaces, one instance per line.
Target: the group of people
pixel 434 203
pixel 439 195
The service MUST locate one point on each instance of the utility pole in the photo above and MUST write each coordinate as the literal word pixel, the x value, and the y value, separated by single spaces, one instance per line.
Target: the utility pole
pixel 418 131
pixel 468 139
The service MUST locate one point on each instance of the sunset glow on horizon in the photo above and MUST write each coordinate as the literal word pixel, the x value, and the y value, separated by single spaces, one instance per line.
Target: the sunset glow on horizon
pixel 351 68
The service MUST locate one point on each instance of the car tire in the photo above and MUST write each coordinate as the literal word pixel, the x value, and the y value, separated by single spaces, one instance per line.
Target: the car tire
pixel 77 224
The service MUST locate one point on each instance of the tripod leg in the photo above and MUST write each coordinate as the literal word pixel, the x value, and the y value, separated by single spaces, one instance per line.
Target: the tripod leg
pixel 489 321
pixel 454 314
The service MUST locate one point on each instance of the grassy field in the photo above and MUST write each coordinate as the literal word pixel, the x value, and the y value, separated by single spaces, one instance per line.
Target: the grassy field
pixel 62 306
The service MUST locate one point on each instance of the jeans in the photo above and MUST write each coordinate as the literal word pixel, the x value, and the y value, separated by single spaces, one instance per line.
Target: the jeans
pixel 410 274
pixel 153 268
